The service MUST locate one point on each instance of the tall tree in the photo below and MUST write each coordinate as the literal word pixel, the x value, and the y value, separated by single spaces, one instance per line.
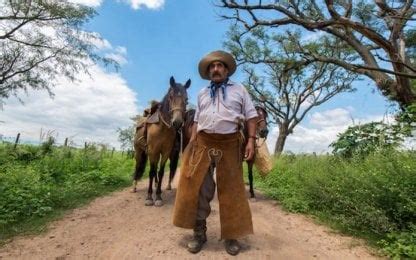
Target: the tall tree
pixel 41 39
pixel 289 86
pixel 375 30
pixel 125 137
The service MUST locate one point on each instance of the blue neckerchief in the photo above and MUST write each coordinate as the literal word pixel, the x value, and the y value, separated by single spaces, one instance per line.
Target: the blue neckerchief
pixel 214 86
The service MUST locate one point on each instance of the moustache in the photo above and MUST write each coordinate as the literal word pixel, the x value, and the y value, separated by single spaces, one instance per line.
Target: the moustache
pixel 216 74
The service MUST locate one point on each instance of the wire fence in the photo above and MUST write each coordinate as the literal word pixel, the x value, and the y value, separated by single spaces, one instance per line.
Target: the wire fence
pixel 20 139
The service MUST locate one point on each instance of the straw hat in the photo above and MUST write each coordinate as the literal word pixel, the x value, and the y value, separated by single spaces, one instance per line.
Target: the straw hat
pixel 222 56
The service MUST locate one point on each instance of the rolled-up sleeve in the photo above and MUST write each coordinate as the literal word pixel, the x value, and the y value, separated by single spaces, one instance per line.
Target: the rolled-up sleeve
pixel 249 109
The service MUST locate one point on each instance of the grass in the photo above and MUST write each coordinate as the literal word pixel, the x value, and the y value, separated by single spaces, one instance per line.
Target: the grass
pixel 40 183
pixel 373 197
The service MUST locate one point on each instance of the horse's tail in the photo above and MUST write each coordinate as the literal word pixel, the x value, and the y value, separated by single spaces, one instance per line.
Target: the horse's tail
pixel 141 160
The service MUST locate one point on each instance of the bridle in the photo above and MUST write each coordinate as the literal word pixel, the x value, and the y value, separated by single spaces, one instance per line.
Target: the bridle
pixel 262 119
pixel 173 109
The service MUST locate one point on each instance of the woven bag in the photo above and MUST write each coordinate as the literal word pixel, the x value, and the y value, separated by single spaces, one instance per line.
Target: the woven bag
pixel 263 161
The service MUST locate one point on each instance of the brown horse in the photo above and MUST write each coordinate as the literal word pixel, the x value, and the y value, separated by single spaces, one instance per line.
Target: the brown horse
pixel 160 138
pixel 261 132
pixel 186 132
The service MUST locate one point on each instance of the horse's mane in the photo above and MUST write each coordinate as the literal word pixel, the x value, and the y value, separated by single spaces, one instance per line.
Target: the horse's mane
pixel 164 106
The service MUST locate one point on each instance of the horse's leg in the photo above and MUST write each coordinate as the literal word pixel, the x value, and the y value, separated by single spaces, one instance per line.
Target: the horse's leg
pixel 250 178
pixel 173 164
pixel 152 173
pixel 141 160
pixel 161 172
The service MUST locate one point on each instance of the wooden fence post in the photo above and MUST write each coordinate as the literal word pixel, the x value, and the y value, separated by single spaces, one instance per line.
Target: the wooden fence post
pixel 66 142
pixel 112 151
pixel 17 140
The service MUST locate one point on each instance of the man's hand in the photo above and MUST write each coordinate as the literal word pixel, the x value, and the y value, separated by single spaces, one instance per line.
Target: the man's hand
pixel 250 146
pixel 249 151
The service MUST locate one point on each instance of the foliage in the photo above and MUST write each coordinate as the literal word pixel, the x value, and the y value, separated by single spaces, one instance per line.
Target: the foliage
pixel 407 120
pixel 284 81
pixel 35 184
pixel 367 138
pixel 399 244
pixel 378 33
pixel 40 40
pixel 373 197
pixel 125 137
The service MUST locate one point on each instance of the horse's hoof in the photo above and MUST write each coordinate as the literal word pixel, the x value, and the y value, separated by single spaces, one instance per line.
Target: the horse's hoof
pixel 149 202
pixel 169 187
pixel 159 203
pixel 253 199
pixel 134 190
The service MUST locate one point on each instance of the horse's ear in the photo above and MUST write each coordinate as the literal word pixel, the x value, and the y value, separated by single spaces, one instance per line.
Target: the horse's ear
pixel 188 84
pixel 172 82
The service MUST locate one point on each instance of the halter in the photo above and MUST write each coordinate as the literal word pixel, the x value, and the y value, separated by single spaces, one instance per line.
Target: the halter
pixel 257 136
pixel 177 108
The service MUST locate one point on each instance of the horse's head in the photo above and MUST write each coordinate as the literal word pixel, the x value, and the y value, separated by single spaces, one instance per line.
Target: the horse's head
pixel 178 98
pixel 262 129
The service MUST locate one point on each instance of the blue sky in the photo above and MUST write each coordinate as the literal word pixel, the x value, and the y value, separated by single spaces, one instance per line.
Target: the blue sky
pixel 153 40
pixel 160 43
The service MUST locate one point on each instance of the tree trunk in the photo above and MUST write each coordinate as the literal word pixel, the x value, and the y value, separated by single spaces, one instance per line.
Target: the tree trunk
pixel 281 139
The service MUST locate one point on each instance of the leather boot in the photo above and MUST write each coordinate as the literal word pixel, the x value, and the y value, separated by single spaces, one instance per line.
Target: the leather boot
pixel 232 246
pixel 200 237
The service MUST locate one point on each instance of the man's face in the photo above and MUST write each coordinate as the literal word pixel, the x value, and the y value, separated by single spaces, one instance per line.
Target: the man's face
pixel 218 72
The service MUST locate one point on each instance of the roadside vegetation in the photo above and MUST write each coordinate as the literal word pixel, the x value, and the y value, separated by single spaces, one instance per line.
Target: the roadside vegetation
pixel 40 183
pixel 372 197
pixel 366 187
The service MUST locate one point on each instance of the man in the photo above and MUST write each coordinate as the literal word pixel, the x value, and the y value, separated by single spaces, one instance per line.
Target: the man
pixel 217 143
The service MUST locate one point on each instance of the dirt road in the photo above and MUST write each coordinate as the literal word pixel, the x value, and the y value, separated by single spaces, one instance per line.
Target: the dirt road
pixel 119 226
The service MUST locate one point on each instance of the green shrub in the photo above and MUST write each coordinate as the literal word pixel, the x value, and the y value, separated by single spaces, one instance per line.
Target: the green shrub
pixel 367 138
pixel 368 196
pixel 36 181
pixel 399 244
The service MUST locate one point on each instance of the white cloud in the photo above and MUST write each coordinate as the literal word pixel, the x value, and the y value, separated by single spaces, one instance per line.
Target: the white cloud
pixel 119 55
pixel 335 117
pixel 95 39
pixel 322 131
pixel 121 50
pixel 135 4
pixel 89 110
pixel 151 4
pixel 92 3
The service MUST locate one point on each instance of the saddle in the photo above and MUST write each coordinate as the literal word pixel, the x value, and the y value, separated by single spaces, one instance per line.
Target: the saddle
pixel 153 118
pixel 150 116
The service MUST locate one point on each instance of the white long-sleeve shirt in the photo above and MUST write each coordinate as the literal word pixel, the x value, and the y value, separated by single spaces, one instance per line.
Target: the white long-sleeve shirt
pixel 222 116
